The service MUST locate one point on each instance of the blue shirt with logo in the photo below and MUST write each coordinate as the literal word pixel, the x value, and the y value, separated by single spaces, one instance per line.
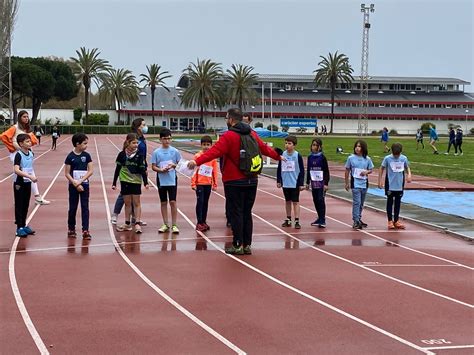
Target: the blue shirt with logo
pixel 356 163
pixel 396 167
pixel 78 162
pixel 162 157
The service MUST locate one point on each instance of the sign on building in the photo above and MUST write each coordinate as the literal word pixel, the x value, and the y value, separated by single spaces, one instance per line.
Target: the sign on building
pixel 298 122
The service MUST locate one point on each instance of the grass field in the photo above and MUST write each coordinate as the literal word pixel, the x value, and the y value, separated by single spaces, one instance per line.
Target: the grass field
pixel 422 162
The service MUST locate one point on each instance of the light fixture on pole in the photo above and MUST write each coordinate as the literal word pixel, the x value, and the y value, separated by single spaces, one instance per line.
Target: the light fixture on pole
pixel 467 112
pixel 271 109
pixel 163 113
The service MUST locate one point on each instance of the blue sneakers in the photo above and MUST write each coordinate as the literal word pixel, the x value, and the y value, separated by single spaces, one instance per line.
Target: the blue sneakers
pixel 21 232
pixel 28 230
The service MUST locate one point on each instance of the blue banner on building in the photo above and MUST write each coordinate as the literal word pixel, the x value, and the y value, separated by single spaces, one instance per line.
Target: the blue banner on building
pixel 299 122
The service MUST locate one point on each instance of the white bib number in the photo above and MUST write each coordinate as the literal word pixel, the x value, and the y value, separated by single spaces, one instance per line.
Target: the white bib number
pixel 357 174
pixel 55 135
pixel 288 165
pixel 397 166
pixel 182 168
pixel 205 170
pixel 79 174
pixel 165 164
pixel 316 175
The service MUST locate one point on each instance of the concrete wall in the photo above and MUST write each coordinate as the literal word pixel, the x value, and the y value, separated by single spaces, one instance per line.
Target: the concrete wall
pixel 66 116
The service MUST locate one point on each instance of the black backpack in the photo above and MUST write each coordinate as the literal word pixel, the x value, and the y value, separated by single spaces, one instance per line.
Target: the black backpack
pixel 251 161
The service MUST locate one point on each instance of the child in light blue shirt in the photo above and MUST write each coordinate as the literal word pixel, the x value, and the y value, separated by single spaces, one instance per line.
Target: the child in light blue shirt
pixel 358 167
pixel 395 164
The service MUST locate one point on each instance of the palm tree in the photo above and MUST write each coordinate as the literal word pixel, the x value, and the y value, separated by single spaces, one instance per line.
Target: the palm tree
pixel 205 85
pixel 154 79
pixel 332 70
pixel 87 67
pixel 119 86
pixel 241 79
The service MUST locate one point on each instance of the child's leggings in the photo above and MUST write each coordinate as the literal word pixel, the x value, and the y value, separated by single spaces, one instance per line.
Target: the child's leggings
pixel 393 196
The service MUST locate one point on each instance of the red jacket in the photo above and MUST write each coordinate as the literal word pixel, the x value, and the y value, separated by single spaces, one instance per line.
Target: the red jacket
pixel 228 147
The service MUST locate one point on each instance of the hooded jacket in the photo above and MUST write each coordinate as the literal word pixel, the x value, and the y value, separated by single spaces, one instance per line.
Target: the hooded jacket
pixel 228 147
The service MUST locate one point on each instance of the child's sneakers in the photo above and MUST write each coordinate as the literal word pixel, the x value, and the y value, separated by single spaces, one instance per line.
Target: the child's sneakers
pixel 399 225
pixel 390 225
pixel 322 224
pixel 20 232
pixel 247 250
pixel 138 228
pixel 164 228
pixel 71 233
pixel 297 225
pixel 86 235
pixel 113 218
pixel 28 230
pixel 207 226
pixel 235 250
pixel 286 223
pixel 124 228
pixel 174 229
pixel 201 227
pixel 41 201
pixel 316 222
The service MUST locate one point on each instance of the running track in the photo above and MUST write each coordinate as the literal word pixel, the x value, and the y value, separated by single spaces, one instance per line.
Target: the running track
pixel 307 291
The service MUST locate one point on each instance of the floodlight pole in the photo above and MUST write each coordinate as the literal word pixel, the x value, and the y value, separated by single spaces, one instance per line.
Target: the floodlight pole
pixel 363 121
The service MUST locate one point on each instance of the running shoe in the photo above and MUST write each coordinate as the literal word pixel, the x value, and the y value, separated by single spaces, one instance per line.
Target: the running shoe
pixel 41 201
pixel 124 228
pixel 174 229
pixel 297 225
pixel 316 222
pixel 322 224
pixel 390 225
pixel 399 225
pixel 363 224
pixel 164 228
pixel 138 228
pixel 247 250
pixel 29 230
pixel 239 250
pixel 207 226
pixel 286 223
pixel 201 227
pixel 71 233
pixel 356 225
pixel 113 219
pixel 86 235
pixel 20 232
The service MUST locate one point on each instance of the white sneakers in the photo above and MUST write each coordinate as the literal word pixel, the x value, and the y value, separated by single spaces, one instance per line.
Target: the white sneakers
pixel 41 201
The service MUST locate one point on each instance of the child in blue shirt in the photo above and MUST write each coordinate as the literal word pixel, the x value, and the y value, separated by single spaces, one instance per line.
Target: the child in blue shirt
pixel 317 176
pixel 290 176
pixel 384 140
pixel 433 139
pixel 395 164
pixel 164 161
pixel 358 166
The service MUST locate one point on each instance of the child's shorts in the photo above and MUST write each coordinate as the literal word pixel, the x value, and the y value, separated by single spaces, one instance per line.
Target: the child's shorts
pixel 291 194
pixel 166 192
pixel 127 188
pixel 394 193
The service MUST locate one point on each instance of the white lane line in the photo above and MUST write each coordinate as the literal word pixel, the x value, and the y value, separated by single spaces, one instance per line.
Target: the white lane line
pixel 306 295
pixel 409 265
pixel 14 285
pixel 39 156
pixel 180 308
pixel 376 236
pixel 450 347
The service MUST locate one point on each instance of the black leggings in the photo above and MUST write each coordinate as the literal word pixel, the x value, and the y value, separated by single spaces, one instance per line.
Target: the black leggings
pixel 457 146
pixel 391 196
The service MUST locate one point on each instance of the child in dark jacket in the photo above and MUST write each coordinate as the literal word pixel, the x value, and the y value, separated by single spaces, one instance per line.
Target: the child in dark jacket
pixel 317 176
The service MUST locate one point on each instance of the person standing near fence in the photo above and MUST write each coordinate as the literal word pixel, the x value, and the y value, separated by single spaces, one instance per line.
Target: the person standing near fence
pixel 54 136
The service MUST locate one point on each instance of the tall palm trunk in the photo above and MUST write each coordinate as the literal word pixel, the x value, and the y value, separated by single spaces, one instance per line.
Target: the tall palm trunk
pixel 153 105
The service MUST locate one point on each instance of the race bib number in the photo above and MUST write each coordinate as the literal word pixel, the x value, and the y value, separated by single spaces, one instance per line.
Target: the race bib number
pixel 182 168
pixel 316 175
pixel 205 170
pixel 357 174
pixel 397 166
pixel 79 174
pixel 55 135
pixel 29 171
pixel 165 164
pixel 288 165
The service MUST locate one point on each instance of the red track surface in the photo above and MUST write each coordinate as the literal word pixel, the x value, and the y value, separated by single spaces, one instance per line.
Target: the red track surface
pixel 85 297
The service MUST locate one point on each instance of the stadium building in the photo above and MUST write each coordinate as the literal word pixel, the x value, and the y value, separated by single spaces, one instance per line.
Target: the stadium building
pixel 399 103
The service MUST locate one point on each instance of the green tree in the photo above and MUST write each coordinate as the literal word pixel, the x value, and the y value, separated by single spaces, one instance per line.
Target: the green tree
pixel 205 85
pixel 87 67
pixel 119 86
pixel 333 69
pixel 154 78
pixel 40 80
pixel 241 79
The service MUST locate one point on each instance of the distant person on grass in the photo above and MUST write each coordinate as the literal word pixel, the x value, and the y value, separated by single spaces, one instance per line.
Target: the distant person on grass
pixel 241 189
pixel 22 180
pixel 452 138
pixel 433 139
pixel 458 142
pixel 203 182
pixel 78 169
pixel 9 138
pixel 164 161
pixel 317 177
pixel 419 139
pixel 38 133
pixel 131 169
pixel 395 164
pixel 358 167
pixel 290 177
pixel 384 139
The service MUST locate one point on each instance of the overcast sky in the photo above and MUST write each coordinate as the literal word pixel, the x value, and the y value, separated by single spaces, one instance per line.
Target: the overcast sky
pixel 407 38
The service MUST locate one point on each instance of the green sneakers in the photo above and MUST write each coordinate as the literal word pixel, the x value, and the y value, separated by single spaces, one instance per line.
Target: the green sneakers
pixel 174 229
pixel 164 228
pixel 235 250
pixel 247 250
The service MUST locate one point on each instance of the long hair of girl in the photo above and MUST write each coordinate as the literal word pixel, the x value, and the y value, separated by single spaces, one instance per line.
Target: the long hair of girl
pixel 23 126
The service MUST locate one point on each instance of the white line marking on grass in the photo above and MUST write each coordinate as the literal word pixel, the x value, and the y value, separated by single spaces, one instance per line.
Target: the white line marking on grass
pixel 14 285
pixel 377 237
pixel 39 156
pixel 180 308
pixel 306 295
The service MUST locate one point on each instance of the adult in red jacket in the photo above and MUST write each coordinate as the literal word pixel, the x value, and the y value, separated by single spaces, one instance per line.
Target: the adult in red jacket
pixel 241 190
